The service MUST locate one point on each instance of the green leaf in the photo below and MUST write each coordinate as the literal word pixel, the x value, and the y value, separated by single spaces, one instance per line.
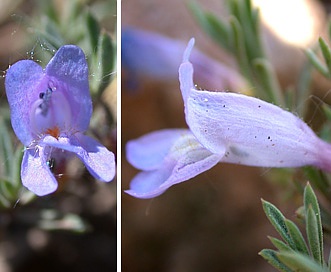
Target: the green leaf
pixel 214 27
pixel 271 256
pixel 327 111
pixel 297 237
pixel 280 245
pixel 102 64
pixel 219 31
pixel 313 234
pixel 303 89
pixel 326 53
pixel 313 224
pixel 93 30
pixel 4 202
pixel 6 149
pixel 299 262
pixel 277 219
pixel 268 80
pixel 253 47
pixel 49 10
pixel 240 48
pixel 7 190
pixel 316 62
pixel 329 29
pixel 16 167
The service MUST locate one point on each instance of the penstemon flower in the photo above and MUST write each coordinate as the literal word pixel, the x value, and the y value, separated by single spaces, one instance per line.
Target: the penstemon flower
pixel 50 111
pixel 147 54
pixel 223 127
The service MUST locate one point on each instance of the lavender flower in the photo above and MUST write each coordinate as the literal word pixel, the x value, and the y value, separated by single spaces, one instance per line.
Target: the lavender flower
pixel 50 111
pixel 150 55
pixel 224 127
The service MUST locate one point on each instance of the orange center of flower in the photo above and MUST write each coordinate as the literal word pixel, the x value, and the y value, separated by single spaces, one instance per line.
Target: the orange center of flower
pixel 55 132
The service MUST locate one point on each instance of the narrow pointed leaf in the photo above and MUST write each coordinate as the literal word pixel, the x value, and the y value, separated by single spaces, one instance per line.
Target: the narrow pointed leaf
pixel 326 53
pixel 314 223
pixel 6 148
pixel 317 63
pixel 240 48
pixel 215 28
pixel 299 262
pixel 4 202
pixel 277 219
pixel 297 237
pixel 280 245
pixel 313 235
pixel 7 190
pixel 303 89
pixel 245 18
pixel 268 80
pixel 16 168
pixel 103 64
pixel 271 256
pixel 219 31
pixel 327 111
pixel 93 30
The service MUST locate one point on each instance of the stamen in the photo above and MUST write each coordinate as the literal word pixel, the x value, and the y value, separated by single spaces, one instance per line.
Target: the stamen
pixel 55 132
pixel 46 97
pixel 50 113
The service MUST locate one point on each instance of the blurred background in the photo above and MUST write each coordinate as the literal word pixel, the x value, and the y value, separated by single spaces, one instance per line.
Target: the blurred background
pixel 215 221
pixel 73 229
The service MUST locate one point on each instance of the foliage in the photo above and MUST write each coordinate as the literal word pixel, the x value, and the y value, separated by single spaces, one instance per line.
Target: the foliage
pixel 239 34
pixel 53 25
pixel 295 253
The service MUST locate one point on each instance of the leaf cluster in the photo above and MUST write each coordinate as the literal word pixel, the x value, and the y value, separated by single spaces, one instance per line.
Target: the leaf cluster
pixel 294 252
pixel 75 22
pixel 240 35
pixel 323 65
pixel 11 190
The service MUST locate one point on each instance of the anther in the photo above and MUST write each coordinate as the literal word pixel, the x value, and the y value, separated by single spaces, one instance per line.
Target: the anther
pixel 46 97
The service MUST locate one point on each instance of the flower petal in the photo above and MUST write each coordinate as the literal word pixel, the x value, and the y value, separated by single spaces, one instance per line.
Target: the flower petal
pixel 149 151
pixel 253 131
pixel 35 173
pixel 20 82
pixel 98 159
pixel 146 54
pixel 186 159
pixel 69 67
